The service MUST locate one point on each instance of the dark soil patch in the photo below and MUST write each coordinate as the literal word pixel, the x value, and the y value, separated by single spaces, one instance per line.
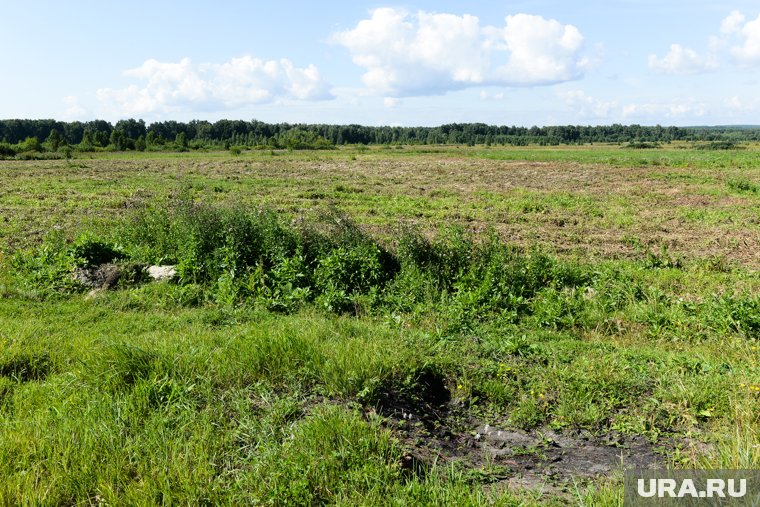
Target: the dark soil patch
pixel 422 393
pixel 507 457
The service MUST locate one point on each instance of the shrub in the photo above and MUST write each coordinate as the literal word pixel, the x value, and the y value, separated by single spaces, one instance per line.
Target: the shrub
pixel 206 241
pixel 742 185
pixel 719 145
pixel 236 255
pixel 90 251
pixel 6 150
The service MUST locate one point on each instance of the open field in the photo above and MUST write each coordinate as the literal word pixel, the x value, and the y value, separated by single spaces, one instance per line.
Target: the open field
pixel 603 201
pixel 596 306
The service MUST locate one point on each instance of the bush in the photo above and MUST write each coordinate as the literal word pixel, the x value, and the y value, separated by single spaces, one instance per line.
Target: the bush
pixel 89 251
pixel 206 242
pixel 236 255
pixel 6 150
pixel 719 145
pixel 347 272
pixel 642 145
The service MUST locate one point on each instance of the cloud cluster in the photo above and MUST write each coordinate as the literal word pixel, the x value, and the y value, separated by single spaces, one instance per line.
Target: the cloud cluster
pixel 682 60
pixel 427 53
pixel 590 107
pixel 676 109
pixel 174 87
pixel 738 37
pixel 745 36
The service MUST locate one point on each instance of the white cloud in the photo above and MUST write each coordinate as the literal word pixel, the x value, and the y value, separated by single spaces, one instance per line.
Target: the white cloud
pixel 734 103
pixel 541 51
pixel 588 106
pixel 391 102
pixel 738 37
pixel 676 109
pixel 484 95
pixel 742 106
pixel 732 23
pixel 74 110
pixel 427 53
pixel 186 86
pixel 747 52
pixel 682 60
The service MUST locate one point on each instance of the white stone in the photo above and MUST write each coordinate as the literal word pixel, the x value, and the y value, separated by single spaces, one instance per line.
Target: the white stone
pixel 160 273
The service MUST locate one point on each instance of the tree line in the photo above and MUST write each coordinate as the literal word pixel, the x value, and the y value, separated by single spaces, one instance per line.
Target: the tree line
pixel 25 136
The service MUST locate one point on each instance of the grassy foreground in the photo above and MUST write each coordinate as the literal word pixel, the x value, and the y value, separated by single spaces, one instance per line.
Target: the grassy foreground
pixel 306 357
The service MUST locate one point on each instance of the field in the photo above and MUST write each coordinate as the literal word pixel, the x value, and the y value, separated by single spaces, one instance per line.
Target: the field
pixel 413 325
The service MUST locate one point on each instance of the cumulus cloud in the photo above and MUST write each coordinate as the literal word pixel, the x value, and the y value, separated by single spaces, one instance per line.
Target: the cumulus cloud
pixel 738 38
pixel 682 60
pixel 745 37
pixel 676 109
pixel 588 106
pixel 732 23
pixel 427 53
pixel 187 86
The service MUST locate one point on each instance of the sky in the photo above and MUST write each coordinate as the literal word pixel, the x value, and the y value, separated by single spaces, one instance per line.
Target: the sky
pixel 423 63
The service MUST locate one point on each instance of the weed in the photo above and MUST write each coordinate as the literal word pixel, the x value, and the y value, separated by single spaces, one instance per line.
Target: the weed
pixel 743 185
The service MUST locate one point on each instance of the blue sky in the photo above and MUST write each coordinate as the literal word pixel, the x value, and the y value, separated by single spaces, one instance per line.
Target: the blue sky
pixel 672 62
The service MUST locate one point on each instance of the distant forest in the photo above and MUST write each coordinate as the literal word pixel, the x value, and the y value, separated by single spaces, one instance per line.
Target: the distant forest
pixel 19 137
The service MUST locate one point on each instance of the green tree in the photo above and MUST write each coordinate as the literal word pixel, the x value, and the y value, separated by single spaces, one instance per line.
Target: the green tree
pixel 54 140
pixel 31 144
pixel 87 143
pixel 118 140
pixel 181 141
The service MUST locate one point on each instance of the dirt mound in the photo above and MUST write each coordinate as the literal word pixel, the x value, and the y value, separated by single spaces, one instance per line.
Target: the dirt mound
pixel 108 275
pixel 101 276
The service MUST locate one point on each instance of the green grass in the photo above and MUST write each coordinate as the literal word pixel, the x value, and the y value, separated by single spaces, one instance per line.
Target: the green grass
pixel 260 376
pixel 677 156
